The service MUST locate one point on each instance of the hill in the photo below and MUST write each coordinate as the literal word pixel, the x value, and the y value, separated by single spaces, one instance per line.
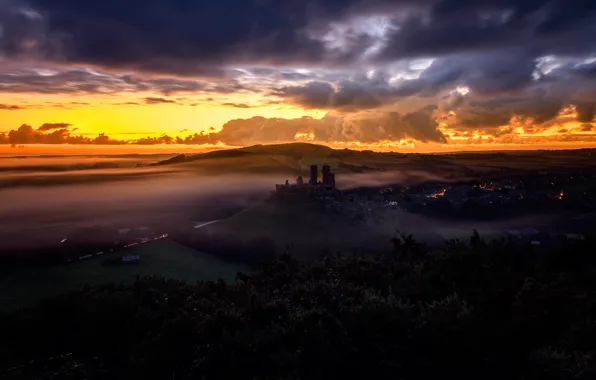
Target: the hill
pixel 303 226
pixel 295 158
pixel 296 150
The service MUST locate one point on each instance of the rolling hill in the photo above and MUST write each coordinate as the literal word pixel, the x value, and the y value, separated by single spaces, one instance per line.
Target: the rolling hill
pixel 303 226
pixel 295 158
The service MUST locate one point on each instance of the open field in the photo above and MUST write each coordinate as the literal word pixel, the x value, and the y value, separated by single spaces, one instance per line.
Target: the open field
pixel 162 257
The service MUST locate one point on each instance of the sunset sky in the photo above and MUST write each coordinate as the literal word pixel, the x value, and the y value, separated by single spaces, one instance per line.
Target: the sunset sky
pixel 405 75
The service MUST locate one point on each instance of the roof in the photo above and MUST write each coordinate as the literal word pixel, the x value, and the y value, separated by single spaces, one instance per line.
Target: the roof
pixel 131 258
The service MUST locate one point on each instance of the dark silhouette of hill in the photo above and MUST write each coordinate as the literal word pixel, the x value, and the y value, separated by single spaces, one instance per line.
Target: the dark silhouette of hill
pixel 295 158
pixel 297 150
pixel 181 158
pixel 302 225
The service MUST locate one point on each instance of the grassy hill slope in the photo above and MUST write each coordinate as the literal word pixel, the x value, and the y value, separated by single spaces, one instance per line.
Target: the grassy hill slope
pixel 295 158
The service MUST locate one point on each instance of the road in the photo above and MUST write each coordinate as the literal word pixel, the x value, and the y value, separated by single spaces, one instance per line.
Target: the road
pixel 203 224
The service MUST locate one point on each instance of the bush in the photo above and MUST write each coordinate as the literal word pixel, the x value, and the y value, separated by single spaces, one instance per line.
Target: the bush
pixel 476 310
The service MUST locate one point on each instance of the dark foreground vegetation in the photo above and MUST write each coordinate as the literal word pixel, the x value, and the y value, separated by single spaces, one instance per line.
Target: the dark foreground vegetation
pixel 253 252
pixel 476 310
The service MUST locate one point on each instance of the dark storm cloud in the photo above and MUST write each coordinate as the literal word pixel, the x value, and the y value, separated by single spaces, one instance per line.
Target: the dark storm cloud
pixel 85 81
pixel 184 37
pixel 455 26
pixel 501 89
pixel 310 95
pixel 587 69
pixel 359 92
pixel 485 74
pixel 294 76
pixel 179 37
pixel 166 86
pixel 197 37
pixel 63 82
pixel 498 111
pixel 586 112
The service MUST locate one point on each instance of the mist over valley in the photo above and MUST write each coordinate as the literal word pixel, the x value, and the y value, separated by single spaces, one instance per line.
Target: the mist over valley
pixel 47 199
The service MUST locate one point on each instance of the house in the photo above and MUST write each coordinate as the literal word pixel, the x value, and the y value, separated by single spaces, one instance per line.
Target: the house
pixel 132 259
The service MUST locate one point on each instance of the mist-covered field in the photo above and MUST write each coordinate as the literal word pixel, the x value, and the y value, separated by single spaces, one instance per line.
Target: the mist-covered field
pixel 43 198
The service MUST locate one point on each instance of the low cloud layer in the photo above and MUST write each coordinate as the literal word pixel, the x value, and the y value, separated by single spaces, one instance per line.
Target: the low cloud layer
pixel 57 133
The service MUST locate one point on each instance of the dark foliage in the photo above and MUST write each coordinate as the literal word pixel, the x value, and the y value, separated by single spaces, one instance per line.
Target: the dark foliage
pixel 476 310
pixel 228 247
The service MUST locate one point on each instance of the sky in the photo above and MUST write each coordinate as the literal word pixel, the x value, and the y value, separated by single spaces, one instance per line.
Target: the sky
pixel 404 75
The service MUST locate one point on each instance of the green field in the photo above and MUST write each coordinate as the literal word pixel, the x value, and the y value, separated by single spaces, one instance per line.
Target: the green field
pixel 162 257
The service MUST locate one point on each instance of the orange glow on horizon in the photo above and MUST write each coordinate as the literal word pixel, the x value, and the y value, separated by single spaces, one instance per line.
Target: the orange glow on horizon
pixel 111 115
pixel 120 119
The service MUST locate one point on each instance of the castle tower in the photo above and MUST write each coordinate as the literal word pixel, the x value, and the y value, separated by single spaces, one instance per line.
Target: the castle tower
pixel 326 175
pixel 314 175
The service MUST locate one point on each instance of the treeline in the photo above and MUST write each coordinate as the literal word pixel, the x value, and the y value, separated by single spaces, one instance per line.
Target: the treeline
pixel 474 310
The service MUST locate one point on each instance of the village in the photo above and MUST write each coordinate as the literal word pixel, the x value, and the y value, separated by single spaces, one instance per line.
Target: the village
pixel 489 200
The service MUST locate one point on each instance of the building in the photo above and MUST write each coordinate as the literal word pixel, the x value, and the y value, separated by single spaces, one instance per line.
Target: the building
pixel 314 175
pixel 314 185
pixel 326 174
pixel 132 259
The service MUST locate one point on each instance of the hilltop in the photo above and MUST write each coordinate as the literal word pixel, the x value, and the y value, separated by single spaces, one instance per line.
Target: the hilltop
pixel 302 225
pixel 295 158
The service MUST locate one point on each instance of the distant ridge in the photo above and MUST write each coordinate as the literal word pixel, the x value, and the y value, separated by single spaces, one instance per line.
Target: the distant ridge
pixel 295 150
pixel 291 149
pixel 294 159
pixel 181 158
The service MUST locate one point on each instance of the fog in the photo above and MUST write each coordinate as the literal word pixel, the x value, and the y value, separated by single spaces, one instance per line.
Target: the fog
pixel 36 209
pixel 40 207
pixel 379 179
